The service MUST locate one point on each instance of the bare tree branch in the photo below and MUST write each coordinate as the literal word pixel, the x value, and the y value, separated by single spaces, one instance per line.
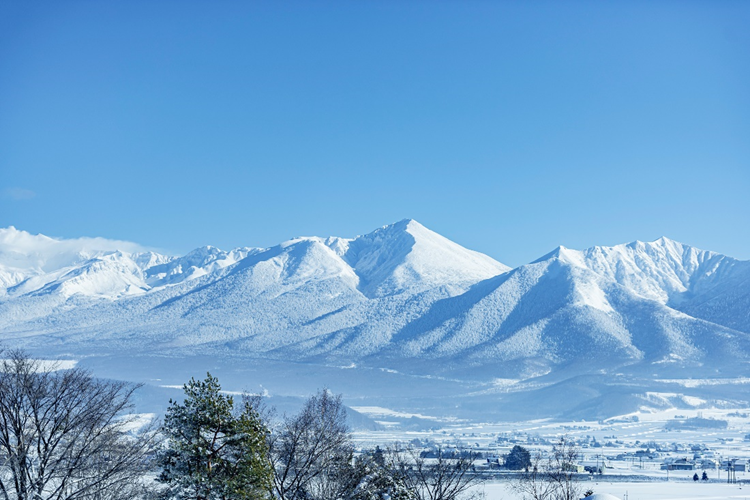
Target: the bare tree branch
pixel 307 447
pixel 64 435
pixel 440 475
pixel 552 476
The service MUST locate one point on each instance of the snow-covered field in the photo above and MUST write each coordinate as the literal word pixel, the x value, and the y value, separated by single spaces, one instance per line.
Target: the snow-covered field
pixel 53 364
pixel 672 490
pixel 615 443
pixel 604 438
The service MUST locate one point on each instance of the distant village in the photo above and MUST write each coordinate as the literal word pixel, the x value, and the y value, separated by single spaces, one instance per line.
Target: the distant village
pixel 611 458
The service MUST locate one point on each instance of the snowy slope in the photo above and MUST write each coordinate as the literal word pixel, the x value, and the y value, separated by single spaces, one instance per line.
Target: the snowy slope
pixel 199 262
pixel 557 312
pixel 408 257
pixel 24 255
pixel 42 273
pixel 110 275
pixel 663 270
pixel 311 286
pixel 401 297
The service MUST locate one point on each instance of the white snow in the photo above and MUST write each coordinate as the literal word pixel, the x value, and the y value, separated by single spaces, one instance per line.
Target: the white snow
pixel 380 412
pixel 51 365
pixel 403 297
pixel 407 256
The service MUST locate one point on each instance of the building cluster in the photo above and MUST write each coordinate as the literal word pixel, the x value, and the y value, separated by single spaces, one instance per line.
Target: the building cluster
pixel 705 463
pixel 596 455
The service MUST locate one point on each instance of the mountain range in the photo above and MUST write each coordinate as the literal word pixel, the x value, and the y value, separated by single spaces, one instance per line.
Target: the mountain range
pixel 592 333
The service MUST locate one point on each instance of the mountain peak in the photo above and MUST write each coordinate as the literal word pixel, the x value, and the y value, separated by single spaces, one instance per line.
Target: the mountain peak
pixel 405 222
pixel 404 225
pixel 407 255
pixel 564 254
pixel 661 242
pixel 664 240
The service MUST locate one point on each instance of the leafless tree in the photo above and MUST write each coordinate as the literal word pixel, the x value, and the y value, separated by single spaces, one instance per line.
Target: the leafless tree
pixel 442 475
pixel 63 434
pixel 563 473
pixel 307 449
pixel 552 476
pixel 535 484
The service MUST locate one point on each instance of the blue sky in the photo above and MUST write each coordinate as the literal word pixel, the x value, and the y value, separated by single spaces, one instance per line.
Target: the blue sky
pixel 509 127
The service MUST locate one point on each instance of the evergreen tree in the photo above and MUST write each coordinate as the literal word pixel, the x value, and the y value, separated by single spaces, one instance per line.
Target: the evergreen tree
pixel 214 451
pixel 518 458
pixel 378 478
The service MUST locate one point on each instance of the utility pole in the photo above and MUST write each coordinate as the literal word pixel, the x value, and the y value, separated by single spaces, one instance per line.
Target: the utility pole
pixel 731 478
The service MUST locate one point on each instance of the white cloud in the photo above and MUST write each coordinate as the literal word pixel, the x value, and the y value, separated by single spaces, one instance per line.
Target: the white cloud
pixel 22 250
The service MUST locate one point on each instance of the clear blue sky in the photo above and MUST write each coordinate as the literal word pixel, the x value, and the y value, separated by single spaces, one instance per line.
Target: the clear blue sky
pixel 509 127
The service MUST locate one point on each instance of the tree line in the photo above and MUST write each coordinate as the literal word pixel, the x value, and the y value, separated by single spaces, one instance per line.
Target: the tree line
pixel 65 435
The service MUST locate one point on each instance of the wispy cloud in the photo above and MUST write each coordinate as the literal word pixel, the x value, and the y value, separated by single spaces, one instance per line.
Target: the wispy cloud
pixel 18 194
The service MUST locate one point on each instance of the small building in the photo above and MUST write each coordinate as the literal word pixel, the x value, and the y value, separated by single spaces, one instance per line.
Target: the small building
pixel 738 465
pixel 709 463
pixel 574 468
pixel 679 464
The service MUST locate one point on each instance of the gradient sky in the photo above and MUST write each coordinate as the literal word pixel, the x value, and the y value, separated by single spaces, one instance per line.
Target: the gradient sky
pixel 509 127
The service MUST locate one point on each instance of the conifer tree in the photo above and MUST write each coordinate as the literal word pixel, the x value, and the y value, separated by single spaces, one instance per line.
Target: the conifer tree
pixel 214 451
pixel 518 458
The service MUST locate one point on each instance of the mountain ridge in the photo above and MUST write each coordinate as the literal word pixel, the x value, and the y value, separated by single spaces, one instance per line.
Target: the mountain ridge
pixel 399 298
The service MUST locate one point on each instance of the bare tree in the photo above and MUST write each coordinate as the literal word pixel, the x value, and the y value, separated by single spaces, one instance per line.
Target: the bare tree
pixel 552 476
pixel 563 473
pixel 535 484
pixel 442 475
pixel 307 450
pixel 63 434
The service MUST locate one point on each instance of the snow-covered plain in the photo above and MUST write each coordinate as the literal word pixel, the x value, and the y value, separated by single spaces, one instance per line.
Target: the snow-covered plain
pixel 684 490
pixel 613 442
pixel 400 318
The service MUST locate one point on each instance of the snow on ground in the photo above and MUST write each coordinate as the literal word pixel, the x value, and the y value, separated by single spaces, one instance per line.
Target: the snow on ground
pixel 51 365
pixel 380 412
pixel 703 382
pixel 454 332
pixel 672 490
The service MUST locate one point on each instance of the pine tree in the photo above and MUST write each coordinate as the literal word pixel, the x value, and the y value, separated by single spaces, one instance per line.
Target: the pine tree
pixel 214 452
pixel 518 458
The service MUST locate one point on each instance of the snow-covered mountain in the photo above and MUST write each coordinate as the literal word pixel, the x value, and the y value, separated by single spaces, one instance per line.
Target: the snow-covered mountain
pixel 401 299
pixel 24 256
